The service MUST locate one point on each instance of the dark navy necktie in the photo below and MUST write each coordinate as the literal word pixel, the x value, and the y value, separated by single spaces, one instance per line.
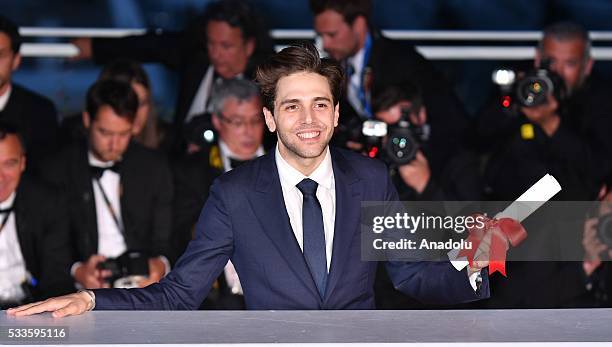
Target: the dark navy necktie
pixel 314 234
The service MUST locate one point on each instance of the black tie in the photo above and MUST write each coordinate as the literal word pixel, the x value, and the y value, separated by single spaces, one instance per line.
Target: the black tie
pixel 314 234
pixel 97 171
pixel 234 163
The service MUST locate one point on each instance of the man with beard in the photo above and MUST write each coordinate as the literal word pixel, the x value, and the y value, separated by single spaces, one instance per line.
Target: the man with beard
pixel 289 220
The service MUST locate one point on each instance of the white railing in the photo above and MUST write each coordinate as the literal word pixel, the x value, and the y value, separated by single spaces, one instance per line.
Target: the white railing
pixel 65 50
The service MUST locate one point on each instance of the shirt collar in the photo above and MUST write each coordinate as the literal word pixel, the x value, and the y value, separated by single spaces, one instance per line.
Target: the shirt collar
pixel 323 174
pixel 93 161
pixel 226 154
pixel 8 202
pixel 357 61
pixel 4 98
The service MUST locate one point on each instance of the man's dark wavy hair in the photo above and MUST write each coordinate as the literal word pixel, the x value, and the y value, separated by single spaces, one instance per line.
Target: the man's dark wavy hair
pixel 294 59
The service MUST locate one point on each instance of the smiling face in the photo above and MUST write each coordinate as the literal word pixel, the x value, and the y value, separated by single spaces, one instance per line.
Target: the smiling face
pixel 304 118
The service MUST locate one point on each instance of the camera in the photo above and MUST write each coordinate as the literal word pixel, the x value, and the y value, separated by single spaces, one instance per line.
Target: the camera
pixel 126 270
pixel 604 229
pixel 396 144
pixel 529 89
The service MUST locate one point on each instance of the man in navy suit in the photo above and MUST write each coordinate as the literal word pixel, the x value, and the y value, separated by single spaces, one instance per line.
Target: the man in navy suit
pixel 289 220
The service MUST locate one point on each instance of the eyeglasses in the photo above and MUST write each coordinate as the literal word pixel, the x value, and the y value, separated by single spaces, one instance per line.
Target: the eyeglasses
pixel 238 123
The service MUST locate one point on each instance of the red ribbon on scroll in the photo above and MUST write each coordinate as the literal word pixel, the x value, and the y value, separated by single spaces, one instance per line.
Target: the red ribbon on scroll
pixel 503 231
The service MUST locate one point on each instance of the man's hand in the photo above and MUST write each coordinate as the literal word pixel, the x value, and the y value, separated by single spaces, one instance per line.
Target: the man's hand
pixel 157 270
pixel 544 115
pixel 62 306
pixel 85 48
pixel 593 247
pixel 89 276
pixel 416 174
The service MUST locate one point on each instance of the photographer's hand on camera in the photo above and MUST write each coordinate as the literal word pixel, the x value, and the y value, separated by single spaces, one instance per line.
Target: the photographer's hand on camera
pixel 545 115
pixel 416 174
pixel 593 247
pixel 157 270
pixel 88 274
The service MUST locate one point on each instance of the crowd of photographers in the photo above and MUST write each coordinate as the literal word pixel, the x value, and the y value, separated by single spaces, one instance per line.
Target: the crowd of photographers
pixel 110 197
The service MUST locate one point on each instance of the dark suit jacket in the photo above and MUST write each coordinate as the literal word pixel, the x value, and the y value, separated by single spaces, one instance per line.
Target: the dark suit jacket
pixel 245 220
pixel 36 118
pixel 43 231
pixel 193 176
pixel 146 198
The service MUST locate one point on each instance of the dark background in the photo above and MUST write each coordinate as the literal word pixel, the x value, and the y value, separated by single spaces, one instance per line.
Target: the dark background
pixel 66 82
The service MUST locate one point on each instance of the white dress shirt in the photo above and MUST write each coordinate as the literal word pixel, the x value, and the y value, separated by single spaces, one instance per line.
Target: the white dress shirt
pixel 326 194
pixel 200 99
pixel 5 97
pixel 111 242
pixel 12 265
pixel 357 62
pixel 110 239
pixel 226 153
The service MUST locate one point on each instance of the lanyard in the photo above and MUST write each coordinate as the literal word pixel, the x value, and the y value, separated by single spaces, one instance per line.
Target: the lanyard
pixel 110 208
pixel 7 213
pixel 363 95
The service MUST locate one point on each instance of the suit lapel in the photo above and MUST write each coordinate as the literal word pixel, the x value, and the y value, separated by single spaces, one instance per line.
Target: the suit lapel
pixel 348 204
pixel 86 195
pixel 128 192
pixel 269 207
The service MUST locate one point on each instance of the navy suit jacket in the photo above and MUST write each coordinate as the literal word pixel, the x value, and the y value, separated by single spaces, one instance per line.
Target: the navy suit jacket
pixel 245 220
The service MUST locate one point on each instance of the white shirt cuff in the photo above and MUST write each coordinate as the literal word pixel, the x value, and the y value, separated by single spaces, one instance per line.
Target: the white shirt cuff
pixel 473 277
pixel 166 264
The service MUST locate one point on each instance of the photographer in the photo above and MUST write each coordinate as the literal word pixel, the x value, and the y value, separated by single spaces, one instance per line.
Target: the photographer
pixel 432 170
pixel 597 244
pixel 555 121
pixel 119 194
pixel 428 168
pixel 373 62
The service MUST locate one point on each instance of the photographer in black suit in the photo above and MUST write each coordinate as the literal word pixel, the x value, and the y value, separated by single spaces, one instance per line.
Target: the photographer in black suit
pixel 34 235
pixel 419 174
pixel 34 115
pixel 374 62
pixel 120 193
pixel 563 131
pixel 565 134
pixel 427 173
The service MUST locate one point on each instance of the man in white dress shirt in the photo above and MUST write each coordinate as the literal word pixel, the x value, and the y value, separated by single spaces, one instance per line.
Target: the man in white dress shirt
pixel 34 239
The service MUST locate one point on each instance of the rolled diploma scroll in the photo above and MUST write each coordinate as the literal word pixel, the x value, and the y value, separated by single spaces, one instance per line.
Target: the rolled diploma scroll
pixel 521 208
